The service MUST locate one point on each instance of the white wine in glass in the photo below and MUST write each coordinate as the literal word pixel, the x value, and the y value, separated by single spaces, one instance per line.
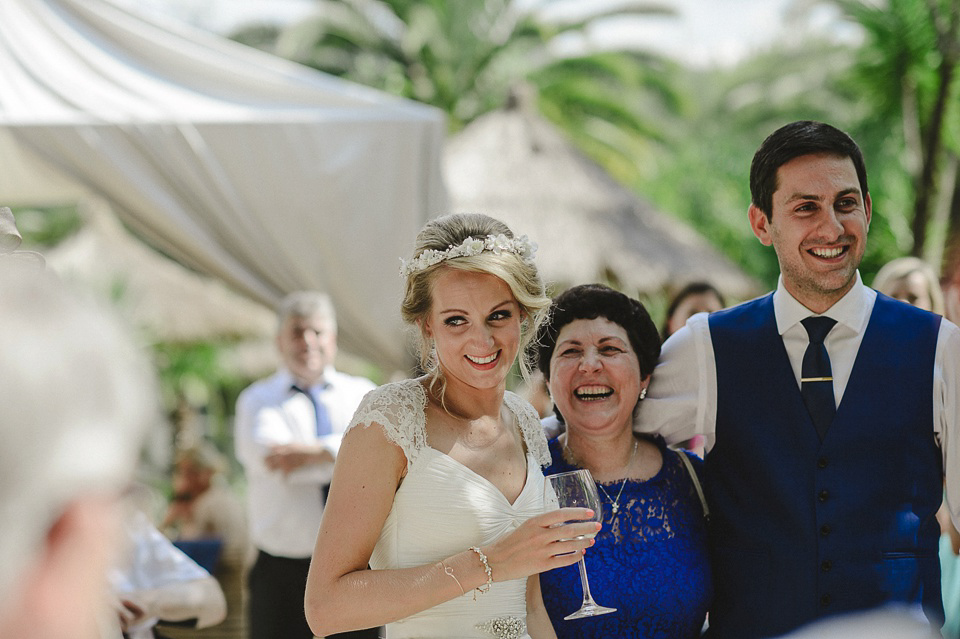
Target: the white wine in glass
pixel 576 489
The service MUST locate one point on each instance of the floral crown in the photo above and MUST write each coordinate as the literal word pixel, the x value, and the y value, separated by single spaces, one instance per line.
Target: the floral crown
pixel 519 246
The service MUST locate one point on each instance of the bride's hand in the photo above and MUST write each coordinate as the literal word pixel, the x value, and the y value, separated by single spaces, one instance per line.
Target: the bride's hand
pixel 542 543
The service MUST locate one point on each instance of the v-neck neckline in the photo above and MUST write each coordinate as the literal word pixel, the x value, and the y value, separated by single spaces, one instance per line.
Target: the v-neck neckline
pixel 526 479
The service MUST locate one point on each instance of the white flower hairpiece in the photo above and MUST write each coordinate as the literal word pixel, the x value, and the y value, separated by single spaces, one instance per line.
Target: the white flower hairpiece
pixel 519 246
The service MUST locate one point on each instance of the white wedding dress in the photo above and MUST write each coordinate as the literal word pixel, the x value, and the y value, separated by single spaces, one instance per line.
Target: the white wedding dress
pixel 443 508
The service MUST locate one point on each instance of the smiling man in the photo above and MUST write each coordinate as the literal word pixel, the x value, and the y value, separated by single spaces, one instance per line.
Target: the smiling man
pixel 288 432
pixel 830 411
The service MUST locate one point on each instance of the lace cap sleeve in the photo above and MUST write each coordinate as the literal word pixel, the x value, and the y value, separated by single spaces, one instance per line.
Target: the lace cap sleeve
pixel 530 427
pixel 398 408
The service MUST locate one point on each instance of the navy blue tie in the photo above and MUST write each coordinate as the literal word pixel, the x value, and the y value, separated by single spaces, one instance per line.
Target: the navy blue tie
pixel 323 424
pixel 816 376
pixel 319 411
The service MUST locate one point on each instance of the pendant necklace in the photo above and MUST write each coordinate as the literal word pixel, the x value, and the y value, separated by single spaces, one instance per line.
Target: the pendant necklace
pixel 615 503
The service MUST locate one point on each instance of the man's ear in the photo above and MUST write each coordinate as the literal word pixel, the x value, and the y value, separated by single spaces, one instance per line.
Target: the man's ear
pixel 759 224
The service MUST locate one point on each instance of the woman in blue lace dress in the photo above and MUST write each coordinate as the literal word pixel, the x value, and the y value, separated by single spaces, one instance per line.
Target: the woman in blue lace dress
pixel 597 354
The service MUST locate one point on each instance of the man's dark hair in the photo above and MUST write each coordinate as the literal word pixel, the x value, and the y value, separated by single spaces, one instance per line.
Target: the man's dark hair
pixel 794 140
pixel 590 301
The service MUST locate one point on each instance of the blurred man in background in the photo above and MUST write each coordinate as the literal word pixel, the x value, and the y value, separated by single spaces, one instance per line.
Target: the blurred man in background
pixel 288 432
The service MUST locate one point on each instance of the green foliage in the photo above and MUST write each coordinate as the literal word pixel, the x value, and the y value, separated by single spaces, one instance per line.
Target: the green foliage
pixel 909 55
pixel 468 58
pixel 617 107
pixel 900 57
pixel 194 384
pixel 681 137
pixel 259 36
pixel 46 226
pixel 703 175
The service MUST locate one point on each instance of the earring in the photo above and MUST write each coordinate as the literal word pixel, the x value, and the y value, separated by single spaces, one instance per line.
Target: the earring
pixel 643 392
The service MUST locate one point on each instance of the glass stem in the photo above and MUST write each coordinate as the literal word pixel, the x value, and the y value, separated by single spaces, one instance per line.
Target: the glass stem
pixel 587 597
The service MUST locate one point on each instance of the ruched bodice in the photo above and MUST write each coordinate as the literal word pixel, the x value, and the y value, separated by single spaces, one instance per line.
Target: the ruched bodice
pixel 442 508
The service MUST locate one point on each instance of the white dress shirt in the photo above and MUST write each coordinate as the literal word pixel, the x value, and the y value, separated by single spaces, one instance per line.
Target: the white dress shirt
pixel 682 398
pixel 163 581
pixel 285 510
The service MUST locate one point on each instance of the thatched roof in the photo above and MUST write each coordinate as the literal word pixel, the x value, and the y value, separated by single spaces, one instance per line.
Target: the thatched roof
pixel 170 302
pixel 155 293
pixel 517 167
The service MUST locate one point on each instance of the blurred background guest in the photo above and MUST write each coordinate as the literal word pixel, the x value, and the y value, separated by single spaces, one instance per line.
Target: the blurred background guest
pixel 288 432
pixel 63 463
pixel 695 297
pixel 206 520
pixel 911 280
pixel 950 284
pixel 156 583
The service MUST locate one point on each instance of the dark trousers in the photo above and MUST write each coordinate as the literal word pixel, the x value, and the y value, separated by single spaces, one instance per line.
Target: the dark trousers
pixel 277 586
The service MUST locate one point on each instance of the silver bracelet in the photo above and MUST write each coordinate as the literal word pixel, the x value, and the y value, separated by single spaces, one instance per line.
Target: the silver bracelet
pixel 486 567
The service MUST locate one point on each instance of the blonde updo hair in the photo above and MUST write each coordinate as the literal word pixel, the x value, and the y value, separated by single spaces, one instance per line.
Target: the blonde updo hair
pixel 521 276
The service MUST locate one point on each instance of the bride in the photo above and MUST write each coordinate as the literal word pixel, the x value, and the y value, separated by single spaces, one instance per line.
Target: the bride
pixel 438 483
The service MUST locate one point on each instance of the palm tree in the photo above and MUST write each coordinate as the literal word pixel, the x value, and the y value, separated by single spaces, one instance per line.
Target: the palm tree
pixel 908 67
pixel 704 178
pixel 468 57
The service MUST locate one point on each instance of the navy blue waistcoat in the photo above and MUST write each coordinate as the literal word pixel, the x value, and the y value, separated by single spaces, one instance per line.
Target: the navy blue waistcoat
pixel 800 528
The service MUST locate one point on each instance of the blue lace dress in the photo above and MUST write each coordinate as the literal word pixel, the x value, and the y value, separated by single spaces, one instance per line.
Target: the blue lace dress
pixel 649 561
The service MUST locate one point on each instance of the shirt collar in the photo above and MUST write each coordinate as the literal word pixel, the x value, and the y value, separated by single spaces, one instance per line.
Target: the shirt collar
pixel 851 310
pixel 286 379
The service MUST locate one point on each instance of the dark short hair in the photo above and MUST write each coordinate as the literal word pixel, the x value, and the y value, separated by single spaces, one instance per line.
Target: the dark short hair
pixel 794 140
pixel 590 301
pixel 693 288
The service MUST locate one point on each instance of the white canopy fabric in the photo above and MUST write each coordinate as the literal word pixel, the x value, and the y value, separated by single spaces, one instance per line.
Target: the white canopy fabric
pixel 266 174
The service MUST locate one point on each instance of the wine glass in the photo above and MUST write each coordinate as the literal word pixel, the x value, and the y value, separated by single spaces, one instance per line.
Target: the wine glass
pixel 577 489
